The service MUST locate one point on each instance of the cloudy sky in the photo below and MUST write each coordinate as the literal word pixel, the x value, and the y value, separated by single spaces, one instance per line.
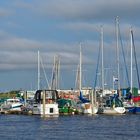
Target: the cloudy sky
pixel 56 27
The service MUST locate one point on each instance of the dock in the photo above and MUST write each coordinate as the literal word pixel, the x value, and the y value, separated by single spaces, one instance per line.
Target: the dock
pixel 16 112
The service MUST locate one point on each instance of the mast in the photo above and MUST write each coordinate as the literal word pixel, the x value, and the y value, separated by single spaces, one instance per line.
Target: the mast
pixel 138 78
pixel 57 70
pixel 55 73
pixel 117 45
pixel 102 55
pixel 131 44
pixel 97 68
pixel 80 69
pixel 77 81
pixel 41 61
pixel 38 71
pixel 126 69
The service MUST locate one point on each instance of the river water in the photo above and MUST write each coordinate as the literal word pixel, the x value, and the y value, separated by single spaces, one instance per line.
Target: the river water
pixel 77 127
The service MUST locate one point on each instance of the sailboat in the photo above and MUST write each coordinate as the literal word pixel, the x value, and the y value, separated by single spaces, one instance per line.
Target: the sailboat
pixel 87 106
pixel 112 105
pixel 133 107
pixel 45 100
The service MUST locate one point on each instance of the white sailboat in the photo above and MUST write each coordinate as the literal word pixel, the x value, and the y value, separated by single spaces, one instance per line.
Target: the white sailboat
pixel 45 100
pixel 113 107
pixel 88 107
pixel 131 104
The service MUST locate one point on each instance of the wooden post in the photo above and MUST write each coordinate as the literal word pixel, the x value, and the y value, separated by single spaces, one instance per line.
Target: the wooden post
pixel 44 103
pixel 92 101
pixel 25 97
pixel 89 94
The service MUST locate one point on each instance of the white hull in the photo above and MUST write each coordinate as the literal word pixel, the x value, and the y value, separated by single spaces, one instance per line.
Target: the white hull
pixel 116 110
pixel 16 107
pixel 50 109
pixel 95 110
pixel 88 109
pixel 12 105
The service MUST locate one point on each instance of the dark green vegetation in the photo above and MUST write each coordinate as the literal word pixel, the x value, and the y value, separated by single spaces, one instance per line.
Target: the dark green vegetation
pixel 10 94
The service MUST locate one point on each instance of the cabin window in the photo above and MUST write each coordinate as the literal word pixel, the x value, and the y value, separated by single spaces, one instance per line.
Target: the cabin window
pixel 51 110
pixel 46 94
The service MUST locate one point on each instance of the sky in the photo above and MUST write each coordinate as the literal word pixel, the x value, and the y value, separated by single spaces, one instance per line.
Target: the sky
pixel 58 27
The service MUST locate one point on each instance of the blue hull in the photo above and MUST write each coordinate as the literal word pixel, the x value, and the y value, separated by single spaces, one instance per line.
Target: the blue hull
pixel 134 110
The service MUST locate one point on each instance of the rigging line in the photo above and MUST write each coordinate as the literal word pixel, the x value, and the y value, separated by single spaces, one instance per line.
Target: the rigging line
pixel 55 73
pixel 44 72
pixel 95 83
pixel 135 58
pixel 53 77
pixel 124 57
pixel 77 78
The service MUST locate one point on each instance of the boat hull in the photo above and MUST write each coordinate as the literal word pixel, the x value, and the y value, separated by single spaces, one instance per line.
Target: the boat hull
pixel 12 105
pixel 134 110
pixel 50 109
pixel 87 108
pixel 110 111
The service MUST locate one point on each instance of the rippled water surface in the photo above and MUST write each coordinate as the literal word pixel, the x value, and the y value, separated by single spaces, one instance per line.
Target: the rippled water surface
pixel 78 127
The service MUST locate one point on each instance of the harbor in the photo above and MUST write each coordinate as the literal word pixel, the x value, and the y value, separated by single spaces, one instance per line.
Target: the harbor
pixel 49 103
pixel 69 70
pixel 102 111
pixel 31 121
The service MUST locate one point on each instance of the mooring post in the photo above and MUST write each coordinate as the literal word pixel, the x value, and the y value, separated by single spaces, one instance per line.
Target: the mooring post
pixel 25 98
pixel 92 101
pixel 44 103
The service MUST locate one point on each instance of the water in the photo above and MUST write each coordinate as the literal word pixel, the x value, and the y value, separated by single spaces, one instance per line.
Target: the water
pixel 78 127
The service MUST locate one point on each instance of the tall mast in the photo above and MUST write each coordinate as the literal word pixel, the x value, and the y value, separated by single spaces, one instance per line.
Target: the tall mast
pixel 102 55
pixel 117 45
pixel 55 73
pixel 38 71
pixel 131 44
pixel 57 68
pixel 80 69
pixel 138 78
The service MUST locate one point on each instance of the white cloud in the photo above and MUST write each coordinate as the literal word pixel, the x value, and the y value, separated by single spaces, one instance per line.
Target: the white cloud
pixel 13 43
pixel 23 4
pixel 89 9
pixel 80 26
pixel 109 28
pixel 17 53
pixel 21 53
pixel 5 12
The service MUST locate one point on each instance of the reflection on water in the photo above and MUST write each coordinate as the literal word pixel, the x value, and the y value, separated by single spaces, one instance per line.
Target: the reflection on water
pixel 78 127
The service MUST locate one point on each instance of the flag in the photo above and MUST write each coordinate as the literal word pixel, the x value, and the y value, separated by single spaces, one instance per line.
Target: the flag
pixel 115 79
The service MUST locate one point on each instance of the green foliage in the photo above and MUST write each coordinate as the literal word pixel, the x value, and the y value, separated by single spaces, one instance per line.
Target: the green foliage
pixel 10 94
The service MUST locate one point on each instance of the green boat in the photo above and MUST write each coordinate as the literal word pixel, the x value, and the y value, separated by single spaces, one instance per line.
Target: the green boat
pixel 67 106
